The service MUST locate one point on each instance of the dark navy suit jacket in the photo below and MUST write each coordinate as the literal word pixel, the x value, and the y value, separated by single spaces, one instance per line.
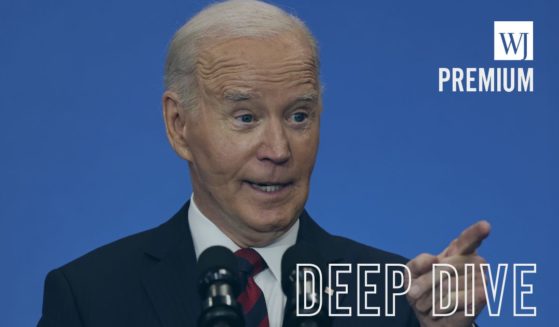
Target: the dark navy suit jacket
pixel 149 279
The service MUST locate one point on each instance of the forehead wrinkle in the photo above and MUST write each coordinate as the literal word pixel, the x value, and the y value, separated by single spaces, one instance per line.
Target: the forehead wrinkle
pixel 209 69
pixel 248 78
pixel 234 70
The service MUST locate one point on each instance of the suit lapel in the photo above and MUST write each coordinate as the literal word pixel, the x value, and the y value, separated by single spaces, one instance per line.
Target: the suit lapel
pixel 311 233
pixel 171 282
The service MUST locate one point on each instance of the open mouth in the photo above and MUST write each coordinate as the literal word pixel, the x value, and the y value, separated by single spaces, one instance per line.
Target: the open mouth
pixel 268 187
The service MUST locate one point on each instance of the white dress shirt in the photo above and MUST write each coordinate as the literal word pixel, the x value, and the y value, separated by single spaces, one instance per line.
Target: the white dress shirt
pixel 206 234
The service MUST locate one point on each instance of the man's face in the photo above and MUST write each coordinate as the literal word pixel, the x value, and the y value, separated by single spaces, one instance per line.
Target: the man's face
pixel 254 138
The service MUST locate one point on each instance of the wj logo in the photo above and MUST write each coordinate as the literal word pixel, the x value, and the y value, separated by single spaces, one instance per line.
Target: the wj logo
pixel 513 40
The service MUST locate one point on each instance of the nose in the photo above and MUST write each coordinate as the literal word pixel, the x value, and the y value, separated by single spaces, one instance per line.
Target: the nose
pixel 274 146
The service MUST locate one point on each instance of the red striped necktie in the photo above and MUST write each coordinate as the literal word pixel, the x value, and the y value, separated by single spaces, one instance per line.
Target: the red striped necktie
pixel 251 298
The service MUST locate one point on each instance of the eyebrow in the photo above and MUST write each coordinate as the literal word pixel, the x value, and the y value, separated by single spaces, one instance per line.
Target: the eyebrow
pixel 237 95
pixel 308 97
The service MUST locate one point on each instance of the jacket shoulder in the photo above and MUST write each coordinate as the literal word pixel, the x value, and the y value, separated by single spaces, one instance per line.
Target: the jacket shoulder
pixel 119 253
pixel 130 253
pixel 102 287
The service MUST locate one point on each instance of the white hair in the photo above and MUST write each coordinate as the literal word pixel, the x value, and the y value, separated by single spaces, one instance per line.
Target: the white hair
pixel 222 21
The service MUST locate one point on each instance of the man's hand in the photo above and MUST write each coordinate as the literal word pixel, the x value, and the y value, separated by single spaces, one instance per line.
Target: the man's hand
pixel 459 252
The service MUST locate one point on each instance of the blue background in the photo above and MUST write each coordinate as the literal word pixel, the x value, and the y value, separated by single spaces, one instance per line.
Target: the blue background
pixel 85 160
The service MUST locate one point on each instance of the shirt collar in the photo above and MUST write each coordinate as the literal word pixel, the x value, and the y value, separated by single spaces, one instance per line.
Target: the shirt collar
pixel 206 234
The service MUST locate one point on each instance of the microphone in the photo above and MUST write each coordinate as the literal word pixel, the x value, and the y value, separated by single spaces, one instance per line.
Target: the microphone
pixel 297 289
pixel 218 286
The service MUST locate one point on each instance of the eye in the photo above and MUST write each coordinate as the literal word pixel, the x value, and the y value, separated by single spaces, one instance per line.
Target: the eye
pixel 246 118
pixel 299 117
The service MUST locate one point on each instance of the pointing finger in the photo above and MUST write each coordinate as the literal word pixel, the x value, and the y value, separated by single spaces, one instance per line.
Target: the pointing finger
pixel 468 241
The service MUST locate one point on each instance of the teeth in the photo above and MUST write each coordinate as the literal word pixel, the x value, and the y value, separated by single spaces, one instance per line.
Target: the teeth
pixel 268 188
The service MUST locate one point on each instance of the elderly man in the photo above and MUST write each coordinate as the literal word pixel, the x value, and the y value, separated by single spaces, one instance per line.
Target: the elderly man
pixel 242 106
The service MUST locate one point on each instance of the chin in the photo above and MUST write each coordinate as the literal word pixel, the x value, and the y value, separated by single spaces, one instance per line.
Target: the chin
pixel 270 220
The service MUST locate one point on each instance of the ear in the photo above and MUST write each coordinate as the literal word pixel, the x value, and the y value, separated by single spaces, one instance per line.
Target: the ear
pixel 175 124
